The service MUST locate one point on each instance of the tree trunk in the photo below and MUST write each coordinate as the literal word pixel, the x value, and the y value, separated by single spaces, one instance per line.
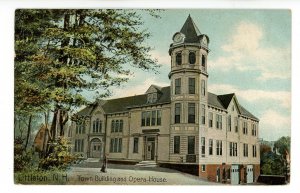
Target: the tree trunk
pixel 28 131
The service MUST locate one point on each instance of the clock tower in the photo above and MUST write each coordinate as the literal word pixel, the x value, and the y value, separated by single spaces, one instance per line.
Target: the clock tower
pixel 189 95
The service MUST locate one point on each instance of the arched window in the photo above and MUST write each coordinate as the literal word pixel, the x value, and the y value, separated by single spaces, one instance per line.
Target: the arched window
pixel 192 58
pixel 178 58
pixel 97 126
pixel 94 126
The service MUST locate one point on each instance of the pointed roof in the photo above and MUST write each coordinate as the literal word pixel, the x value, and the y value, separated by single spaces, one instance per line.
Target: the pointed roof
pixel 226 99
pixel 190 30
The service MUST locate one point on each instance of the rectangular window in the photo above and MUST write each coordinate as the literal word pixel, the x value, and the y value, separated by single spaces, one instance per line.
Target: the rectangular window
pixel 191 144
pixel 176 144
pixel 115 145
pixel 229 123
pixel 253 129
pixel 135 145
pixel 121 126
pixel 219 121
pixel 245 128
pixel 203 168
pixel 219 147
pixel 143 118
pixel 254 150
pixel 234 149
pixel 148 118
pixel 210 121
pixel 236 124
pixel 230 148
pixel 178 86
pixel 245 150
pixel 203 87
pixel 153 118
pixel 203 146
pixel 191 112
pixel 112 126
pixel 158 117
pixel 177 112
pixel 210 151
pixel 203 114
pixel 79 144
pixel 191 85
pixel 100 126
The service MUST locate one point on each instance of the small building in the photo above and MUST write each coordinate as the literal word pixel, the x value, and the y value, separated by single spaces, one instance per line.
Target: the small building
pixel 181 126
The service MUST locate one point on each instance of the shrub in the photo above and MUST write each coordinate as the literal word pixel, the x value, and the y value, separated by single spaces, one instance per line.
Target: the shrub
pixel 60 156
pixel 22 158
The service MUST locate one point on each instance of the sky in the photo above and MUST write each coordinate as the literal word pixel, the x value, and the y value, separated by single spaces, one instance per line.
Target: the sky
pixel 250 56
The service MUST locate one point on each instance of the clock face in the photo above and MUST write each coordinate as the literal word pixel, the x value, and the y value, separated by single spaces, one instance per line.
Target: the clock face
pixel 178 38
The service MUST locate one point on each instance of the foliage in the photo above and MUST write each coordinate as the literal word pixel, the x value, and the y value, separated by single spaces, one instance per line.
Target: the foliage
pixel 282 145
pixel 60 157
pixel 273 162
pixel 60 54
pixel 22 158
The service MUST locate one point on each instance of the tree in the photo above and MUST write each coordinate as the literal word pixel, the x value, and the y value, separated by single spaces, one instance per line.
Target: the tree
pixel 282 145
pixel 78 51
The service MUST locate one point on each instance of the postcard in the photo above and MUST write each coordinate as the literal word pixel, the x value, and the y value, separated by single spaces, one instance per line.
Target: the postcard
pixel 152 97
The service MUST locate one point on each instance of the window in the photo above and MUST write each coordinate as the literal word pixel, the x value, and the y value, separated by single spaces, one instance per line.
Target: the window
pixel 232 149
pixel 254 150
pixel 245 128
pixel 210 120
pixel 203 168
pixel 116 126
pixel 191 112
pixel 178 86
pixel 236 124
pixel 158 117
pixel 148 118
pixel 254 130
pixel 203 87
pixel 219 121
pixel 192 57
pixel 116 145
pixel 112 126
pixel 153 118
pixel 203 114
pixel 245 150
pixel 178 59
pixel 191 144
pixel 79 144
pixel 135 145
pixel 177 112
pixel 143 118
pixel 191 85
pixel 97 126
pixel 203 146
pixel 219 147
pixel 80 128
pixel 229 123
pixel 176 144
pixel 210 149
pixel 151 97
pixel 203 62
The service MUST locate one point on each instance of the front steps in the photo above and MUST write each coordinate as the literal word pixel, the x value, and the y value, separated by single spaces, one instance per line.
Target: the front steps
pixel 147 164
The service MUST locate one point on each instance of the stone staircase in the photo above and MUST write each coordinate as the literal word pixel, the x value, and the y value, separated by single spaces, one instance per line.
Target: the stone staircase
pixel 147 164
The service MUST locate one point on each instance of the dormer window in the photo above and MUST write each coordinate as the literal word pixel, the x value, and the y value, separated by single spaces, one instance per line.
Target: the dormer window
pixel 192 58
pixel 178 58
pixel 152 97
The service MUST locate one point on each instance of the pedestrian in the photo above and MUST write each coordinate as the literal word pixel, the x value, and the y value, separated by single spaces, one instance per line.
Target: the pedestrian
pixel 104 165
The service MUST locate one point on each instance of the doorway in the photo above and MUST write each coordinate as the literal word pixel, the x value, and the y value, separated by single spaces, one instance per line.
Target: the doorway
pixel 235 174
pixel 96 148
pixel 249 173
pixel 150 148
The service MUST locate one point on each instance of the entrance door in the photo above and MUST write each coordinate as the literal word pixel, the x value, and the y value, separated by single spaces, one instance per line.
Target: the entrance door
pixel 96 148
pixel 235 174
pixel 249 173
pixel 150 148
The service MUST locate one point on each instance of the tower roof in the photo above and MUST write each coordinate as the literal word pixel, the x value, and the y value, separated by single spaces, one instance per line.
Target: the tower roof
pixel 190 30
